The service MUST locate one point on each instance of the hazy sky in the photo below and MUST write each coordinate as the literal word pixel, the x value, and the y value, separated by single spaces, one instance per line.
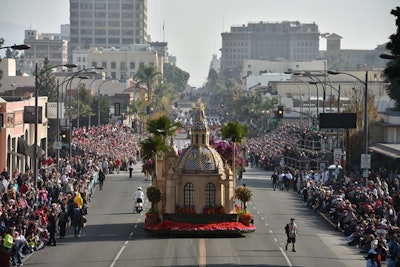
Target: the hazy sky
pixel 193 28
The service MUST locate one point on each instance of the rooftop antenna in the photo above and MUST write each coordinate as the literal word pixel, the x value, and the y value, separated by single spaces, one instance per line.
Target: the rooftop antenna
pixel 163 31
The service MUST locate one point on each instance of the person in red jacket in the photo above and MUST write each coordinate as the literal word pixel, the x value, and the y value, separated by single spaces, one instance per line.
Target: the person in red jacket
pixel 118 164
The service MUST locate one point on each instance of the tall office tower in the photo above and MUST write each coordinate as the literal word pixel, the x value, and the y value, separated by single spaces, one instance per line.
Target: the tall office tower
pixel 288 40
pixel 107 23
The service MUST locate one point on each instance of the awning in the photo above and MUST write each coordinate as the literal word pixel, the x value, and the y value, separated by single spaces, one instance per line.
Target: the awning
pixel 388 150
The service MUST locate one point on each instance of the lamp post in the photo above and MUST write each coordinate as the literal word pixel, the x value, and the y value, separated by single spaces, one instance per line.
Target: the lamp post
pixel 37 74
pixel 79 84
pixel 309 99
pixel 98 101
pixel 17 47
pixel 89 114
pixel 365 105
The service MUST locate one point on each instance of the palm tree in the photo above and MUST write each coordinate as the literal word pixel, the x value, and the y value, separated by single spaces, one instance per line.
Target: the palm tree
pixel 163 127
pixel 148 75
pixel 235 132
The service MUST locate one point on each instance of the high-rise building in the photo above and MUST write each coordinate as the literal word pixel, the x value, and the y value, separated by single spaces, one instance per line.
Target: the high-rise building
pixel 288 40
pixel 107 23
pixel 45 45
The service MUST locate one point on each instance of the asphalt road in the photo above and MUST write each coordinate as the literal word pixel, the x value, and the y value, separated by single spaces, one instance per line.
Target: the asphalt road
pixel 114 235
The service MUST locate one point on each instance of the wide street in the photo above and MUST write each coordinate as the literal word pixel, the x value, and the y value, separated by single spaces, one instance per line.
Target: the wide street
pixel 114 235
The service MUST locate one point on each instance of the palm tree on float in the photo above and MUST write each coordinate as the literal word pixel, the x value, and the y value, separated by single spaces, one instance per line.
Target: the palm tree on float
pixel 164 127
pixel 235 132
pixel 151 146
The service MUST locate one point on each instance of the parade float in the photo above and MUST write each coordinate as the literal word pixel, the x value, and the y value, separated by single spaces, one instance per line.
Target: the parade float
pixel 193 193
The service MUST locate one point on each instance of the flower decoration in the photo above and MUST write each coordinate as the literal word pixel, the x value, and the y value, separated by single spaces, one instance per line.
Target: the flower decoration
pixel 185 228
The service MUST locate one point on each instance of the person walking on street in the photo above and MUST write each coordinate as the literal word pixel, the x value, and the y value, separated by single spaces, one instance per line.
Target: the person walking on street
pixel 281 178
pixel 78 220
pixel 291 233
pixel 102 177
pixel 52 228
pixel 130 168
pixel 63 219
pixel 274 179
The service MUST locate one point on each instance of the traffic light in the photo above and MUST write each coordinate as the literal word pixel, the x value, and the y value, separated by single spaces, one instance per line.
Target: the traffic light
pixel 280 111
pixel 64 136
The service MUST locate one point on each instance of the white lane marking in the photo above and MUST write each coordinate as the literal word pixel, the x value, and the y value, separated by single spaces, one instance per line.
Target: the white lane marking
pixel 119 254
pixel 286 257
pixel 276 240
pixel 270 231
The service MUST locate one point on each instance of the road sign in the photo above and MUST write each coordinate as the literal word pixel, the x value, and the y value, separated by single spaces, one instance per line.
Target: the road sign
pixel 365 161
pixel 57 145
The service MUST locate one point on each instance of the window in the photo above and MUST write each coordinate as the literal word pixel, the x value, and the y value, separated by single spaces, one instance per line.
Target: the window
pixel 100 15
pixel 113 23
pixel 86 31
pixel 86 23
pixel 127 23
pixel 100 32
pixel 104 64
pixel 127 40
pixel 100 40
pixel 114 15
pixel 100 23
pixel 113 32
pixel 132 66
pixel 113 65
pixel 113 40
pixel 210 195
pixel 188 195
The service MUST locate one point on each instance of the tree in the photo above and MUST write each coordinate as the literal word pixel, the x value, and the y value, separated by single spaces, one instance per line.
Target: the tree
pixel 47 85
pixel 244 195
pixel 148 75
pixel 154 196
pixel 163 127
pixel 11 53
pixel 392 69
pixel 176 76
pixel 151 146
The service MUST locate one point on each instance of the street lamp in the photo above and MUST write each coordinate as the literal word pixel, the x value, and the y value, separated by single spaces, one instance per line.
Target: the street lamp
pixel 98 101
pixel 389 56
pixel 79 84
pixel 365 102
pixel 17 47
pixel 35 143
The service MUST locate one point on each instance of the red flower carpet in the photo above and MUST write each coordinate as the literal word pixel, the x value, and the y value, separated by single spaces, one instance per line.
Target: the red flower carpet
pixel 189 229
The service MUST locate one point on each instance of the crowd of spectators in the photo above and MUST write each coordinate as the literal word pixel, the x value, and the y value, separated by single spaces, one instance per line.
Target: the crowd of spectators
pixel 366 210
pixel 29 207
